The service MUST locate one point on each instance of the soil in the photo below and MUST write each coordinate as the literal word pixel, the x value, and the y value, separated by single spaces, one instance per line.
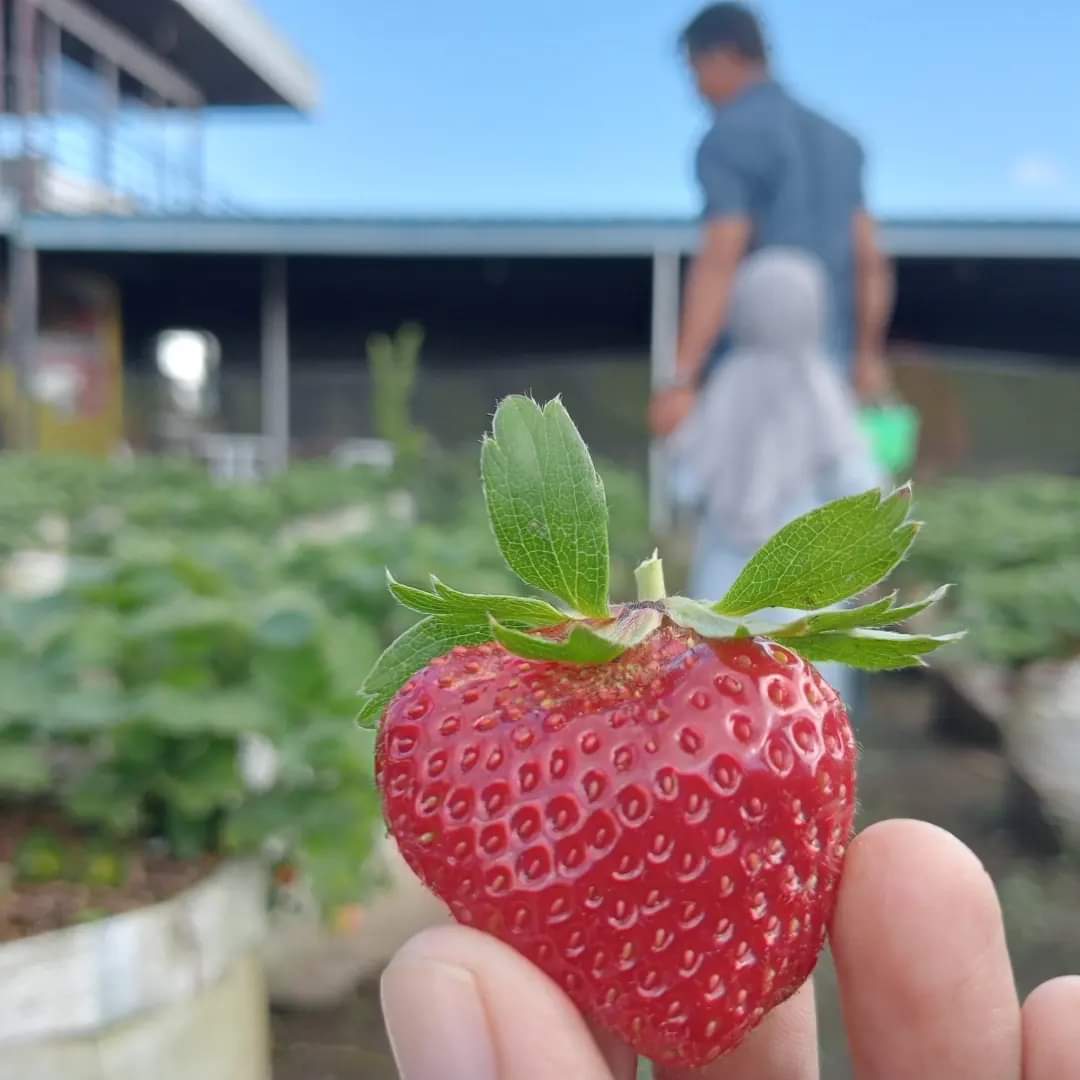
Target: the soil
pixel 28 908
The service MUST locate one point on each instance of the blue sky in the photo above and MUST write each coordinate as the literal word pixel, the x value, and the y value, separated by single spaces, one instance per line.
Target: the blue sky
pixel 967 107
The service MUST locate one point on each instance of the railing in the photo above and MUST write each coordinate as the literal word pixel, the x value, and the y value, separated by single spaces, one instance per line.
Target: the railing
pixel 981 413
pixel 85 157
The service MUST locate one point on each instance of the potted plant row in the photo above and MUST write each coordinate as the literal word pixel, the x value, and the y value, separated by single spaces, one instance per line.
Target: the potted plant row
pixel 1012 546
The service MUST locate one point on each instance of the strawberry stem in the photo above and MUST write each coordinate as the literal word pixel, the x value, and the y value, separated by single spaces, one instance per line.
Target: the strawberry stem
pixel 650 579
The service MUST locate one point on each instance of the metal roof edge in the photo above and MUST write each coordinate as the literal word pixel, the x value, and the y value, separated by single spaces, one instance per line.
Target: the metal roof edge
pixel 358 236
pixel 992 239
pixel 565 237
pixel 253 40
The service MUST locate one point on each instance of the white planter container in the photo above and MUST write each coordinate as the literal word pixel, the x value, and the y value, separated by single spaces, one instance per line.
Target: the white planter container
pixel 168 992
pixel 311 965
pixel 1042 738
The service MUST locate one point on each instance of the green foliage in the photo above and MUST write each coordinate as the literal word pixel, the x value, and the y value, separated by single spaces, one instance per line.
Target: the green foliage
pixel 584 644
pixel 547 508
pixel 153 671
pixel 988 524
pixel 42 857
pixel 415 648
pixel 826 556
pixel 1012 546
pixel 132 696
pixel 394 362
pixel 443 600
pixel 546 503
pixel 90 502
pixel 199 631
pixel 871 650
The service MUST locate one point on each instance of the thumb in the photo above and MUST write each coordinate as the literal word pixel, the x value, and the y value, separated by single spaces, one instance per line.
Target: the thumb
pixel 461 1005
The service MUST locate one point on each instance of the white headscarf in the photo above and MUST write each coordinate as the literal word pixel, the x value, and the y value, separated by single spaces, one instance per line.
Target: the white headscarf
pixel 777 420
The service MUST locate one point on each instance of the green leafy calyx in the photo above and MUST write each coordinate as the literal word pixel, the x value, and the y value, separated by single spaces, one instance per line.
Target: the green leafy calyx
pixel 546 503
pixel 548 513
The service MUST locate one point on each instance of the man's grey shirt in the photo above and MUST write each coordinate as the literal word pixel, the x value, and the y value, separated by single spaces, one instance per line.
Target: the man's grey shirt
pixel 798 177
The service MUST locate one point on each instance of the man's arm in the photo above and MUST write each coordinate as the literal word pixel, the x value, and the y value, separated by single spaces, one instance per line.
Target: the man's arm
pixel 705 312
pixel 875 292
pixel 708 293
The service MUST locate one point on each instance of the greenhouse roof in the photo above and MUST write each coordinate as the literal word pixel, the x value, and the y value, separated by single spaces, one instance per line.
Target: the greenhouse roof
pixel 507 237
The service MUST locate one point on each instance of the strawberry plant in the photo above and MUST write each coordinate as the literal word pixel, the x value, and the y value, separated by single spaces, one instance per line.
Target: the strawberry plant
pixel 190 685
pixel 136 697
pixel 92 500
pixel 650 800
pixel 1011 544
pixel 394 362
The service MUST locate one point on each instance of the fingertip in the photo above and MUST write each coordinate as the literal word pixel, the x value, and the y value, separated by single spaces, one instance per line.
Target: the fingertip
pixel 435 1017
pixel 921 955
pixel 912 874
pixel 903 859
pixel 1051 1018
pixel 446 943
pixel 1064 991
pixel 533 1029
pixel 884 841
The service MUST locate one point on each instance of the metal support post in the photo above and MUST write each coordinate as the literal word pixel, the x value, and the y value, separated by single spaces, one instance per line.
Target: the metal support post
pixel 666 270
pixel 275 363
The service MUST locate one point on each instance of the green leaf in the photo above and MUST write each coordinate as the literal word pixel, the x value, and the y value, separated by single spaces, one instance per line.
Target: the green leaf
pixel 826 556
pixel 206 779
pixel 88 711
pixel 333 860
pixel 546 503
pixel 350 650
pixel 106 798
pixel 871 650
pixel 24 768
pixel 169 711
pixel 188 835
pixel 414 649
pixel 524 609
pixel 26 695
pixel 583 644
pixel 288 627
pixel 695 615
pixel 879 613
pixel 414 599
pixel 632 626
pixel 443 600
pixel 41 857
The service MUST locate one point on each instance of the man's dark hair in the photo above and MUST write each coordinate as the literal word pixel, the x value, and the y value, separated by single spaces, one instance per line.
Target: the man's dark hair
pixel 725 26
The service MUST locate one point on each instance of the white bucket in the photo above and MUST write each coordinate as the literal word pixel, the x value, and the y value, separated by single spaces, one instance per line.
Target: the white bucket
pixel 169 992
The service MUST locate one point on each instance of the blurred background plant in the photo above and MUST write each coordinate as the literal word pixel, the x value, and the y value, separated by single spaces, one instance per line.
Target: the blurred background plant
pixel 394 361
pixel 1012 547
pixel 184 672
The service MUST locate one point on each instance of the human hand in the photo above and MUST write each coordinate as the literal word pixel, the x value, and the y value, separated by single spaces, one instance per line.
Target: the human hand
pixel 925 981
pixel 873 379
pixel 669 408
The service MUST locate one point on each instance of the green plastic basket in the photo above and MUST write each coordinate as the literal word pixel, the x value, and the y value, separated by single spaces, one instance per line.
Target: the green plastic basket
pixel 893 433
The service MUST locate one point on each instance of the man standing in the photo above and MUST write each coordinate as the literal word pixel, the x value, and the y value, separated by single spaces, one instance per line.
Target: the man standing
pixel 773 174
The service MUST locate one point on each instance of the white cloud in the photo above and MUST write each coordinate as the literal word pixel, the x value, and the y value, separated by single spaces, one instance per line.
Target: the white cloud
pixel 1037 172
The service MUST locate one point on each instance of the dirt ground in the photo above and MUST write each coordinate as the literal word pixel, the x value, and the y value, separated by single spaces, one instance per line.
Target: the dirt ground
pixel 80 882
pixel 904 773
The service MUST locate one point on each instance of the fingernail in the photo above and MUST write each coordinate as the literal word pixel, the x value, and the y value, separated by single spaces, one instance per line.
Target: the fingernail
pixel 436 1021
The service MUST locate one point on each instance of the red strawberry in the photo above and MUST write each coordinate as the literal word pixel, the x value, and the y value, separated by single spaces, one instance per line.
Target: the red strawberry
pixel 650 802
pixel 662 834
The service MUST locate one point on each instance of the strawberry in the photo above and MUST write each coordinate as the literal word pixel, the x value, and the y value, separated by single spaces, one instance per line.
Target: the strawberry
pixel 662 835
pixel 652 801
